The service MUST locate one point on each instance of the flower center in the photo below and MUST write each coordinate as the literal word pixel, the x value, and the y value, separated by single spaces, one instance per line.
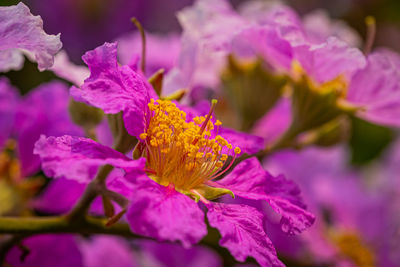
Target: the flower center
pixel 184 154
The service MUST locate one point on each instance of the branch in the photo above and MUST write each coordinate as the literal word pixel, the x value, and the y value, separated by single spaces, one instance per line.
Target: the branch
pixel 57 224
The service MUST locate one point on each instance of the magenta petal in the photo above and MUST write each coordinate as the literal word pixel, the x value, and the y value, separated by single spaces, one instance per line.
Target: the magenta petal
pixel 165 214
pixel 376 88
pixel 47 250
pixel 67 70
pixel 264 41
pixel 78 158
pixel 248 143
pixel 59 196
pixel 249 180
pixel 241 229
pixel 275 122
pixel 114 89
pixel 19 29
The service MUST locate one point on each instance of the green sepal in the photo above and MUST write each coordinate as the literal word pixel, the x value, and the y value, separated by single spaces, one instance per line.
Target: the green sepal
pixel 251 89
pixel 156 80
pixel 313 105
pixel 211 193
pixel 177 95
pixel 84 115
pixel 122 140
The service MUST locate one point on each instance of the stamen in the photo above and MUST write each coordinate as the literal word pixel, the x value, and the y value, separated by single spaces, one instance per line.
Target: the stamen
pixel 182 153
pixel 203 126
pixel 237 151
pixel 370 22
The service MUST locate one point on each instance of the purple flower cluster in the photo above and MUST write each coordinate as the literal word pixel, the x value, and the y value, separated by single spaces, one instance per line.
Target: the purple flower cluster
pixel 144 149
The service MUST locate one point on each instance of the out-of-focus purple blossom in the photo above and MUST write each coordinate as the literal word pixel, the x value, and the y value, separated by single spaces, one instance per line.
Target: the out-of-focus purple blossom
pixel 8 107
pixel 47 250
pixel 334 191
pixel 203 49
pixel 319 26
pixel 106 251
pixel 161 50
pixel 175 255
pixel 21 32
pixel 43 111
pixel 376 88
pixel 85 24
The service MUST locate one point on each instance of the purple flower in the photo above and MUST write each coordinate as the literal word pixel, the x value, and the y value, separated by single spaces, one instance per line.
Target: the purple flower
pixel 20 30
pixel 319 26
pixel 180 160
pixel 376 90
pixel 342 202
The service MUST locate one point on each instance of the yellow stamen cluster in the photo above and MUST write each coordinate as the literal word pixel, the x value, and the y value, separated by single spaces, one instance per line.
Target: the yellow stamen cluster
pixel 182 153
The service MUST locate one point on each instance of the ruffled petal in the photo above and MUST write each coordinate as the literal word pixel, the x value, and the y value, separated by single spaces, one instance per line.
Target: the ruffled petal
pixel 47 250
pixel 42 111
pixel 376 89
pixel 242 233
pixel 82 157
pixel 264 41
pixel 19 29
pixel 67 70
pixel 319 26
pixel 114 89
pixel 324 62
pixel 165 214
pixel 249 180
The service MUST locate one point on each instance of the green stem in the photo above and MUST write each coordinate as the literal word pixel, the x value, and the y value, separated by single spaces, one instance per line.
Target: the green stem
pixel 143 36
pixel 90 193
pixel 57 224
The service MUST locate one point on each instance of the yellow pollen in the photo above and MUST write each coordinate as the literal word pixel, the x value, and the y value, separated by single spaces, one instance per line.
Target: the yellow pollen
pixel 143 136
pixel 183 153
